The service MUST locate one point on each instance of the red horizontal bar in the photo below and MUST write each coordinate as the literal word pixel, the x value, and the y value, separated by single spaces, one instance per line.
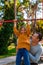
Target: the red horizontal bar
pixel 30 19
pixel 18 20
pixel 8 21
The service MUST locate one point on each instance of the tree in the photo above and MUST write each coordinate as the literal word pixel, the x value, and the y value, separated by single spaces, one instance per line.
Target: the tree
pixel 13 9
pixel 7 28
pixel 1 9
pixel 39 26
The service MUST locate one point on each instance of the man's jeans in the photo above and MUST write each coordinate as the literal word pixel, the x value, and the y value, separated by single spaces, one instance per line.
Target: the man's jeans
pixel 22 53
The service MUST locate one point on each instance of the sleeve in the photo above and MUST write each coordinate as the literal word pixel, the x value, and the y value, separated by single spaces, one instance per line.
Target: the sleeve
pixel 36 57
pixel 28 30
pixel 16 32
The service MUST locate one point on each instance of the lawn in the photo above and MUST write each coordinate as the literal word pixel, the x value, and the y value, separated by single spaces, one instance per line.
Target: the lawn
pixel 11 51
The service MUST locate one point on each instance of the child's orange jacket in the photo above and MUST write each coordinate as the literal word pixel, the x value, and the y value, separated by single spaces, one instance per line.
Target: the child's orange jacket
pixel 23 39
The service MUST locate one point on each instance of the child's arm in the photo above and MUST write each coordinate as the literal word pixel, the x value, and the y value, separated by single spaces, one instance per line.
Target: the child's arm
pixel 15 30
pixel 28 29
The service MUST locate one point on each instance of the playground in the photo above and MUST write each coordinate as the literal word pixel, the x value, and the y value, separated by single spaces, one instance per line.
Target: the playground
pixel 21 12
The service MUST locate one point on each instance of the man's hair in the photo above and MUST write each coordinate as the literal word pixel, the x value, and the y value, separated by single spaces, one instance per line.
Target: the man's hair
pixel 39 36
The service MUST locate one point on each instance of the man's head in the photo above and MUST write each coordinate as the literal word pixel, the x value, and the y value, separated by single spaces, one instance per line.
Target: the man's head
pixel 36 37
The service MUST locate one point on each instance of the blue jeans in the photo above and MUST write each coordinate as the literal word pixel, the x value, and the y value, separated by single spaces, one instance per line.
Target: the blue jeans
pixel 22 53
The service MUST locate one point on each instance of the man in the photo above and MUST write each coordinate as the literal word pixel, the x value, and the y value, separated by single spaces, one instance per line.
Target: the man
pixel 36 48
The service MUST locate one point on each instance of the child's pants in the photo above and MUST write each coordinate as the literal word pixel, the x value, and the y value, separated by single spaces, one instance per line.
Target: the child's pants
pixel 22 53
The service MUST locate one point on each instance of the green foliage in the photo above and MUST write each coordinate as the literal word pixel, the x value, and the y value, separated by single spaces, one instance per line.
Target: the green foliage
pixel 5 33
pixel 7 29
pixel 39 26
pixel 9 12
pixel 20 7
pixel 19 24
pixel 11 51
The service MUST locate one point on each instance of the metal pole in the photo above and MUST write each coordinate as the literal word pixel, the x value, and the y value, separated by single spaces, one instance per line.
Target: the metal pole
pixel 15 9
pixel 42 8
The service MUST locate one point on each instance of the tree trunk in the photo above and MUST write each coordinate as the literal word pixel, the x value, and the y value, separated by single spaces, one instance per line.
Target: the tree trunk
pixel 15 9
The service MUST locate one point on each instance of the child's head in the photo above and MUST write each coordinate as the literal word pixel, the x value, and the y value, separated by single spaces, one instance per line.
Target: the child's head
pixel 22 29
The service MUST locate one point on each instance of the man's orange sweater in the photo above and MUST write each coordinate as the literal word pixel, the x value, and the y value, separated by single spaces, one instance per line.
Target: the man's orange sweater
pixel 23 39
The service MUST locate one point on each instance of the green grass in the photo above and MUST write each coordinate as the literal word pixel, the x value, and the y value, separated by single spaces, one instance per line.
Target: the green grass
pixel 11 51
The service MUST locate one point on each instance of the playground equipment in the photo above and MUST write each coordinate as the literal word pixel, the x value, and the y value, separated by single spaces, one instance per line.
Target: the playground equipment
pixel 24 20
pixel 15 20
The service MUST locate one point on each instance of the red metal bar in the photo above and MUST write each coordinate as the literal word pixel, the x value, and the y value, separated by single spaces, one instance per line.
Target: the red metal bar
pixel 30 19
pixel 8 21
pixel 17 20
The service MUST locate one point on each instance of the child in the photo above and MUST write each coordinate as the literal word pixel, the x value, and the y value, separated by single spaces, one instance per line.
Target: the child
pixel 23 46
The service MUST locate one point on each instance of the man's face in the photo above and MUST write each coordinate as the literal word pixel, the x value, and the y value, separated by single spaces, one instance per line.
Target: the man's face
pixel 35 37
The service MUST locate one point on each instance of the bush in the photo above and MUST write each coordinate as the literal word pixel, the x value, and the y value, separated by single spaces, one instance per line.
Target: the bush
pixel 5 34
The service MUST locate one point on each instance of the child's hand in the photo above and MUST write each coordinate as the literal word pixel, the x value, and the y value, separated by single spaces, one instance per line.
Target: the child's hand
pixel 15 22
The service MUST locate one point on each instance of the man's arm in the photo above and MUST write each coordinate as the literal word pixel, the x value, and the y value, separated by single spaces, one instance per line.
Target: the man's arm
pixel 36 57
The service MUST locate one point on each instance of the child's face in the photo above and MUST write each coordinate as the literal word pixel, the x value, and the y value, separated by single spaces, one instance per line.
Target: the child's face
pixel 23 30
